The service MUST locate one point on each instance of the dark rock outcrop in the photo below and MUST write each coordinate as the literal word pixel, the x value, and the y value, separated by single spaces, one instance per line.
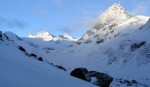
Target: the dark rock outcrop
pixel 80 73
pixel 137 45
pixel 34 55
pixel 40 59
pixel 0 35
pixel 60 67
pixel 21 48
pixel 103 79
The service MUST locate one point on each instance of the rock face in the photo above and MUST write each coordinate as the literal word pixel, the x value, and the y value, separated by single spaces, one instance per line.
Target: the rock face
pixel 0 34
pixel 21 48
pixel 102 79
pixel 80 73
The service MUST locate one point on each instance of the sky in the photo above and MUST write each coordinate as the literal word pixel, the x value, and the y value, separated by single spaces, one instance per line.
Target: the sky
pixel 74 17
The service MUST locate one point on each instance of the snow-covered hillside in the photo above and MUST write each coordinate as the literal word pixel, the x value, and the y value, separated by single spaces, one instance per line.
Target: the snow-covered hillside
pixel 19 70
pixel 118 45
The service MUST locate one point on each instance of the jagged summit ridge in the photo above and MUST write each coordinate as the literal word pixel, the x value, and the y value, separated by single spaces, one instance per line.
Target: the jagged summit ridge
pixel 113 19
pixel 114 12
pixel 42 34
pixel 47 36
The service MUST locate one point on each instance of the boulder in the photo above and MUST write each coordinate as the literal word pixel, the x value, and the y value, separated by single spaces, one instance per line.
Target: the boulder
pixel 60 67
pixel 80 73
pixel 137 45
pixel 102 79
pixel 34 55
pixel 21 48
pixel 40 59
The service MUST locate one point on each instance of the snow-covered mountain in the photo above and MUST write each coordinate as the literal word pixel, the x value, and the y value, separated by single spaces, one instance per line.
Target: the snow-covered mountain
pixel 46 40
pixel 48 37
pixel 42 34
pixel 114 13
pixel 118 45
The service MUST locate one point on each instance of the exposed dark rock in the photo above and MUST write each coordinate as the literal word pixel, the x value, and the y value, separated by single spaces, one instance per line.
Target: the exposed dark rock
pixel 100 41
pixel 60 67
pixel 0 35
pixel 21 48
pixel 34 55
pixel 126 81
pixel 134 81
pixel 40 59
pixel 113 25
pixel 47 48
pixel 129 84
pixel 137 45
pixel 71 45
pixel 79 73
pixel 103 79
pixel 78 43
pixel 88 41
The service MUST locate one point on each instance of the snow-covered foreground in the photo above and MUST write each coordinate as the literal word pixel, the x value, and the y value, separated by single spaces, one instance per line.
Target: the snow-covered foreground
pixel 19 70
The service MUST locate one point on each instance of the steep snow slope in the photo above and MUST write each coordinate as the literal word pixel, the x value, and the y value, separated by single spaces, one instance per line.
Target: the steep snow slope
pixel 19 70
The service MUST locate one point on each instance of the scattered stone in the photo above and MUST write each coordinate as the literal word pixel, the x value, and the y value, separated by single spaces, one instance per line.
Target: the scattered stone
pixel 134 81
pixel 34 55
pixel 21 48
pixel 137 45
pixel 40 59
pixel 126 81
pixel 60 67
pixel 103 79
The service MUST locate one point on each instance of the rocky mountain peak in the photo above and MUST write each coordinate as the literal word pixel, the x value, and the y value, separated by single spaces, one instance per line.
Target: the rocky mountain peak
pixel 113 13
pixel 47 36
pixel 42 34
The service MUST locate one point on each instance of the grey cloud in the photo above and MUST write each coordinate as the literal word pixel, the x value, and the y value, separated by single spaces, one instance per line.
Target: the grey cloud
pixel 12 23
